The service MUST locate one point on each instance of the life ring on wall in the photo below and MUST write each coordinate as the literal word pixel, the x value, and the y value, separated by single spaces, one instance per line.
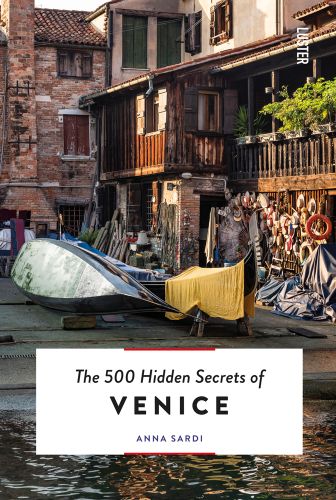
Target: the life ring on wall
pixel 316 218
pixel 306 245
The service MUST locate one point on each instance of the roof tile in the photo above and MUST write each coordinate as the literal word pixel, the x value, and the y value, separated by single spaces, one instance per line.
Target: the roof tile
pixel 66 27
pixel 314 9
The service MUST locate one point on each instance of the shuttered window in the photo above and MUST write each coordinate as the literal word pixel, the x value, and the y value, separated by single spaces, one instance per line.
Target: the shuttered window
pixel 202 111
pixel 156 111
pixel 193 33
pixel 208 111
pixel 75 64
pixel 151 112
pixel 221 22
pixel 135 42
pixel 168 41
pixel 76 135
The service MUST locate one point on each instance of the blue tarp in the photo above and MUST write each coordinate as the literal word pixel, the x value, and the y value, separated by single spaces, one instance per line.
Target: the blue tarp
pixel 313 296
pixel 135 272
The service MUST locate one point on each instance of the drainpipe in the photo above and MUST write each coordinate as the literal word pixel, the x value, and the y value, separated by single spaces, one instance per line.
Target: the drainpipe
pixel 279 12
pixel 150 86
pixel 4 114
pixel 108 67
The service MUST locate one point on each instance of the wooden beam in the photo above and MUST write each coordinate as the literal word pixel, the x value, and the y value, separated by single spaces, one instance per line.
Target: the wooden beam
pixel 149 13
pixel 275 96
pixel 317 68
pixel 292 183
pixel 251 105
pixel 298 183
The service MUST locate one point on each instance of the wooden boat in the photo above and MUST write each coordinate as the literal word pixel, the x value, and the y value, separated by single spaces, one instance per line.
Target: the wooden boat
pixel 61 276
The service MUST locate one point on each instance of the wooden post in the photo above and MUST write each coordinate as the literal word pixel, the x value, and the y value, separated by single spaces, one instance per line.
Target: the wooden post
pixel 251 105
pixel 316 68
pixel 275 96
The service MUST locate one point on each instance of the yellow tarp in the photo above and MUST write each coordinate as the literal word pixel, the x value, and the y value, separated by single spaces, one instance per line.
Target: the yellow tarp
pixel 218 292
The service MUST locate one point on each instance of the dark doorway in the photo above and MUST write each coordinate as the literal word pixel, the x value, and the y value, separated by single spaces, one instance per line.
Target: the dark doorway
pixel 206 203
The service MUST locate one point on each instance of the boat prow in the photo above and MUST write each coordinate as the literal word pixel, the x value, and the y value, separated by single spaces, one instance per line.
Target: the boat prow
pixel 61 276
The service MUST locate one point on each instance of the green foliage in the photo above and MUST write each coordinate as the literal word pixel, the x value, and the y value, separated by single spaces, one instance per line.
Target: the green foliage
pixel 88 236
pixel 241 122
pixel 241 128
pixel 311 105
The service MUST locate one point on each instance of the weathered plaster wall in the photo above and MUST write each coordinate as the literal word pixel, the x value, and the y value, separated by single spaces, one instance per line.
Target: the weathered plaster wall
pixel 290 8
pixel 120 73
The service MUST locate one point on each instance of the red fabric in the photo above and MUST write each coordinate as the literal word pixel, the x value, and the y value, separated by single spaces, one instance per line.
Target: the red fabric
pixel 17 235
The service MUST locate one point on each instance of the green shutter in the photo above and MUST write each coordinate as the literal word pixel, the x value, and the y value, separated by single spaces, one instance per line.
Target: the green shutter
pixel 135 42
pixel 169 42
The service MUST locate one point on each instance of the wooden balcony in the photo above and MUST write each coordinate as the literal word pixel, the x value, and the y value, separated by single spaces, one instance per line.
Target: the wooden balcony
pixel 296 157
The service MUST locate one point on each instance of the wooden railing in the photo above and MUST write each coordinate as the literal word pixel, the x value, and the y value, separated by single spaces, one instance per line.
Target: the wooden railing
pixel 150 150
pixel 315 154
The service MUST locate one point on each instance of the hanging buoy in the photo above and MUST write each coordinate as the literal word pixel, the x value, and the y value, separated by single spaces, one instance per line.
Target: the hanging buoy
pixel 311 232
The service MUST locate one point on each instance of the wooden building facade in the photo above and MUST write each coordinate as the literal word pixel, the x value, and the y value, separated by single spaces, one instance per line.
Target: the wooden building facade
pixel 180 119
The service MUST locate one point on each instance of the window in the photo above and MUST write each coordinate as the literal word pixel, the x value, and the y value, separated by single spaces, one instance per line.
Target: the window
pixel 202 110
pixel 151 112
pixel 221 22
pixel 73 217
pixel 76 135
pixel 168 41
pixel 75 64
pixel 208 111
pixel 134 42
pixel 140 207
pixel 193 33
pixel 148 194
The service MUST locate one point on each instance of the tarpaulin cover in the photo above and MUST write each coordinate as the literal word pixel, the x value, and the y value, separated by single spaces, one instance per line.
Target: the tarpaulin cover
pixel 315 297
pixel 218 292
pixel 135 272
pixel 319 275
pixel 268 293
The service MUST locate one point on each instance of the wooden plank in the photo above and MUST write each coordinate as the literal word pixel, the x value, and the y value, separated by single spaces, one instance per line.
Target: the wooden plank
pixel 251 105
pixel 260 161
pixel 297 183
pixel 78 322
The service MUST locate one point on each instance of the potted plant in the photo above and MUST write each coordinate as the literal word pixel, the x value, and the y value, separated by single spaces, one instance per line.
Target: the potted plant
pixel 271 137
pixel 323 107
pixel 312 106
pixel 241 127
pixel 291 112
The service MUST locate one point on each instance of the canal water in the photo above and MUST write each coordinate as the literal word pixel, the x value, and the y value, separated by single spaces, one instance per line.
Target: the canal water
pixel 312 476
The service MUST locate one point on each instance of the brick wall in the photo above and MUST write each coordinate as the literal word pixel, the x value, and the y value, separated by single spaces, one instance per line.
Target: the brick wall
pixel 19 16
pixel 190 202
pixel 35 177
pixel 54 94
pixel 3 130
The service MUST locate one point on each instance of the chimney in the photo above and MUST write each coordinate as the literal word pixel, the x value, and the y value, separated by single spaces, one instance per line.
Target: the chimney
pixel 18 19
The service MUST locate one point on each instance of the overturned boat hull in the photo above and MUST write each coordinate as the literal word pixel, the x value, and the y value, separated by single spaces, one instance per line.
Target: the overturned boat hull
pixel 61 276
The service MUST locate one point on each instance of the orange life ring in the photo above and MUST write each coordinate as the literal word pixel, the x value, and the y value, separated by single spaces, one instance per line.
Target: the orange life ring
pixel 315 218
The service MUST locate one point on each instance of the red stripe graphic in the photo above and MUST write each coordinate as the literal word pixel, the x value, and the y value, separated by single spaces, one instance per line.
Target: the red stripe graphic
pixel 169 349
pixel 168 453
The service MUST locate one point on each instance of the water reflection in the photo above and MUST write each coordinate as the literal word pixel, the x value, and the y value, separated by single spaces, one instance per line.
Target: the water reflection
pixel 312 476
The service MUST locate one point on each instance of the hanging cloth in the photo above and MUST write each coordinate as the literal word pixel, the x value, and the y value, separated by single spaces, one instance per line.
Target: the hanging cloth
pixel 218 292
pixel 211 237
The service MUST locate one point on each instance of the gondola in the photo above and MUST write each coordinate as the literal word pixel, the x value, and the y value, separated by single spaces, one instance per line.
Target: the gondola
pixel 61 276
